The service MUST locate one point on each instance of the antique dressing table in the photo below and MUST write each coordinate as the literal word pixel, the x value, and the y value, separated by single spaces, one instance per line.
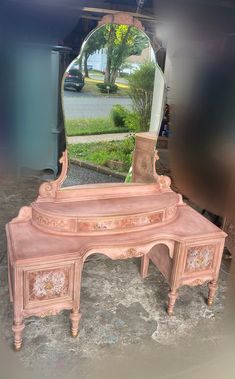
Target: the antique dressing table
pixel 49 241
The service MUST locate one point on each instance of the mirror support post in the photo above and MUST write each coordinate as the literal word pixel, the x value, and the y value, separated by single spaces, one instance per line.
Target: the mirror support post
pixel 159 95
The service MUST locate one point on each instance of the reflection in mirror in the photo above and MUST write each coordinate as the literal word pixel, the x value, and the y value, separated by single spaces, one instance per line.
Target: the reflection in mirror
pixel 108 91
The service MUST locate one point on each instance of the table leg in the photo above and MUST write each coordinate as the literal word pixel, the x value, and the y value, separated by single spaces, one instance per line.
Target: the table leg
pixel 144 266
pixel 75 318
pixel 171 303
pixel 17 329
pixel 212 290
pixel 75 315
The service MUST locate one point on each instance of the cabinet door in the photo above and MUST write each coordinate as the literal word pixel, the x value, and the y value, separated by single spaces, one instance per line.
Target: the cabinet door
pixel 200 262
pixel 48 286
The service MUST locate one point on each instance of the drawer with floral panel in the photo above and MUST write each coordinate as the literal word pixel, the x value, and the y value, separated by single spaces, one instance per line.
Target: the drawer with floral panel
pixel 48 286
pixel 200 262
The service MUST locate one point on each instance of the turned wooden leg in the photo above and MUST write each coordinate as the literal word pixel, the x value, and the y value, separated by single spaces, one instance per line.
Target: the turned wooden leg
pixel 144 266
pixel 171 303
pixel 17 329
pixel 212 290
pixel 75 318
pixel 75 315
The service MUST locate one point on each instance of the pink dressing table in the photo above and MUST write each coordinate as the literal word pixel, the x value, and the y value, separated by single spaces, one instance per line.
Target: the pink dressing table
pixel 50 240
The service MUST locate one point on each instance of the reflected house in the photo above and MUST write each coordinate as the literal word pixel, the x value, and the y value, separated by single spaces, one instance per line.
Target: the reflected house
pixel 147 55
pixel 135 61
pixel 97 61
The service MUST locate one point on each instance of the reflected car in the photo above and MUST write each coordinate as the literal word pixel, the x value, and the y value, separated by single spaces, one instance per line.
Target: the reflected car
pixel 74 79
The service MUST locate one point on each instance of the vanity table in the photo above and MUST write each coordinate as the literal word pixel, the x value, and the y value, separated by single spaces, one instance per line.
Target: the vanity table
pixel 49 241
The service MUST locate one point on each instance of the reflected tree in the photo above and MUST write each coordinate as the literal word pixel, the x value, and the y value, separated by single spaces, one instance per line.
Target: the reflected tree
pixel 122 41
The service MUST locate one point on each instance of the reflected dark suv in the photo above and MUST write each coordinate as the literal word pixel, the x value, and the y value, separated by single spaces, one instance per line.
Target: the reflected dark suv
pixel 74 79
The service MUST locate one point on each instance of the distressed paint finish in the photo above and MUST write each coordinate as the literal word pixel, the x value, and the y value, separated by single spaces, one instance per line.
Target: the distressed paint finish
pixel 46 262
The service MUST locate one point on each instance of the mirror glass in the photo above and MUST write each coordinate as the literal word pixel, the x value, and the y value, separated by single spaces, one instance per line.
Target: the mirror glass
pixel 107 98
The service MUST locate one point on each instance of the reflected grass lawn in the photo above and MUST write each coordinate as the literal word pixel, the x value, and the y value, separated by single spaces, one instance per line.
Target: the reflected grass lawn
pixel 101 153
pixel 81 127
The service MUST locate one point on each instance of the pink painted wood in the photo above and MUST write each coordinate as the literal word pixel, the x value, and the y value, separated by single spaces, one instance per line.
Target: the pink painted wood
pixel 50 240
pixel 121 18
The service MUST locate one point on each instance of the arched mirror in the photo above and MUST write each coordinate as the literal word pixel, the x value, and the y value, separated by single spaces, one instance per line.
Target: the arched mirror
pixel 107 97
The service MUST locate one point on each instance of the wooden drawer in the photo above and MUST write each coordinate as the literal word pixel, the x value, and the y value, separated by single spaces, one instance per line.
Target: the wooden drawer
pixel 201 261
pixel 48 286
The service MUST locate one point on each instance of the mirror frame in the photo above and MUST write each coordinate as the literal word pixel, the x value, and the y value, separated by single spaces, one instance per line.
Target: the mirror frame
pixel 119 18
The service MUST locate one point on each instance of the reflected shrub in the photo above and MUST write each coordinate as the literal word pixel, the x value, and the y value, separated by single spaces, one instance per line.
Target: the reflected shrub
pixel 107 88
pixel 118 115
pixel 123 118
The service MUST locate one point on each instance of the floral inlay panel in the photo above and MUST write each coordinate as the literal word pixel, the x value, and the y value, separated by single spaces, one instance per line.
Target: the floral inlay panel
pixel 50 284
pixel 54 223
pixel 121 223
pixel 200 258
pixel 77 225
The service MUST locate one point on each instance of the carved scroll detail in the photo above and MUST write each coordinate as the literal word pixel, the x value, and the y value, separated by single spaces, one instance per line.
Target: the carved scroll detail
pixel 48 189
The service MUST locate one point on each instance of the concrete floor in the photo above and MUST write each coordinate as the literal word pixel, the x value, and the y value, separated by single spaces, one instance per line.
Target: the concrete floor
pixel 124 331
